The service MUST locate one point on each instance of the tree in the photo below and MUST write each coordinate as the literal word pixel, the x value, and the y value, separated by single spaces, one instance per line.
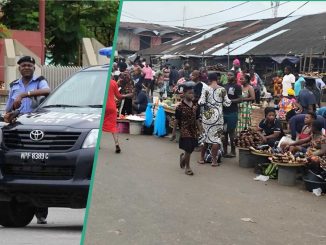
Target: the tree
pixel 4 32
pixel 67 22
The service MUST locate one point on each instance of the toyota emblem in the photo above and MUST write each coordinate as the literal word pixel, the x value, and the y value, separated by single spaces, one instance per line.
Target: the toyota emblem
pixel 36 135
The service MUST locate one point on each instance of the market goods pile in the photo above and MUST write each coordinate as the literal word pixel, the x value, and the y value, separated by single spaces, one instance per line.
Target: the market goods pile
pixel 262 150
pixel 289 158
pixel 248 138
pixel 218 67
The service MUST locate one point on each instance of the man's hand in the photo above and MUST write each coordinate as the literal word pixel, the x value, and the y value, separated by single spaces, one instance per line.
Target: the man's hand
pixel 18 102
pixel 223 93
pixel 9 117
pixel 264 139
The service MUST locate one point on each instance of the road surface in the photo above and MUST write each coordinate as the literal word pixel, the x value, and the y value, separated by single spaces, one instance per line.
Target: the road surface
pixel 142 197
pixel 64 227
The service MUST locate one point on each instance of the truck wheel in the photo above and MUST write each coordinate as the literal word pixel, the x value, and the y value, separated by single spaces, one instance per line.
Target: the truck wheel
pixel 15 214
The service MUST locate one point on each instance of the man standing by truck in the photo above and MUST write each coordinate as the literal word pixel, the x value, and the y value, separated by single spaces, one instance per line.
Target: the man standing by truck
pixel 23 98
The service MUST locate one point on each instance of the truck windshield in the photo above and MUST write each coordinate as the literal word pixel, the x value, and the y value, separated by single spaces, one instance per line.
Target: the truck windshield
pixel 83 90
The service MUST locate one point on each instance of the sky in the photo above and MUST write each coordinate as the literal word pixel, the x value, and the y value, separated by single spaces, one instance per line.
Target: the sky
pixel 171 12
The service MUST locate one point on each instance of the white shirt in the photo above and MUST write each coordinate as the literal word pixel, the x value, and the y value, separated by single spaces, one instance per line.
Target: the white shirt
pixel 287 82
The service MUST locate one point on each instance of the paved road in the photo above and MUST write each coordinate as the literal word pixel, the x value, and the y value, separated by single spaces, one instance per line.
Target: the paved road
pixel 143 197
pixel 64 227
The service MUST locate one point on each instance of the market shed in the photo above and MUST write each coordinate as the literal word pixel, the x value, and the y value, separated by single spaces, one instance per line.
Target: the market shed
pixel 269 42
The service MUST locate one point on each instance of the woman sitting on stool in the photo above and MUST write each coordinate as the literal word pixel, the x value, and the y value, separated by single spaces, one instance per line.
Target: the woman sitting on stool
pixel 270 128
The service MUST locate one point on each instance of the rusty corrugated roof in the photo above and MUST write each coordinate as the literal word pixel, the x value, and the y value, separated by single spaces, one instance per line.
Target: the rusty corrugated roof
pixel 157 30
pixel 291 35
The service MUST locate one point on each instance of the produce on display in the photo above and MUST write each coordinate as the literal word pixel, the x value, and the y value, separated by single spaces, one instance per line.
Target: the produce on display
pixel 248 138
pixel 289 158
pixel 271 171
pixel 262 149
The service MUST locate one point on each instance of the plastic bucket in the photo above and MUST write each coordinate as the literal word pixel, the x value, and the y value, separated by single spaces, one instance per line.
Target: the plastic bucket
pixel 249 160
pixel 135 128
pixel 246 159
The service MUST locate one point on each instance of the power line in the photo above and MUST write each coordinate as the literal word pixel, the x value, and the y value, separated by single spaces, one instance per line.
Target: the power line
pixel 297 9
pixel 134 18
pixel 241 16
pixel 197 17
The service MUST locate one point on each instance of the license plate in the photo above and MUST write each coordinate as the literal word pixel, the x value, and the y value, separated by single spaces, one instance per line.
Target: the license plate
pixel 34 155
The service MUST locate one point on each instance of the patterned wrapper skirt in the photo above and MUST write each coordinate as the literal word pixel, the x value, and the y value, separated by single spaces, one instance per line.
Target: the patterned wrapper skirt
pixel 244 119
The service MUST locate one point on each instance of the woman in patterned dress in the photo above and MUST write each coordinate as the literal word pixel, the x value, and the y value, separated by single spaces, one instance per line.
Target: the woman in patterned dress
pixel 213 98
pixel 245 108
pixel 126 87
pixel 278 84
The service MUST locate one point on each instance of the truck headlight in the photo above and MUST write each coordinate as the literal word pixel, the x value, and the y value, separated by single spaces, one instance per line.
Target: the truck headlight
pixel 91 139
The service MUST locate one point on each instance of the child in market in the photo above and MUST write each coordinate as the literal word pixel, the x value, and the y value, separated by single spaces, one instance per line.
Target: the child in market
pixel 270 127
pixel 187 117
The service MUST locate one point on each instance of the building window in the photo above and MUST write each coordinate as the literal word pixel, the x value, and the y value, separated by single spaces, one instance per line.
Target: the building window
pixel 145 42
pixel 166 39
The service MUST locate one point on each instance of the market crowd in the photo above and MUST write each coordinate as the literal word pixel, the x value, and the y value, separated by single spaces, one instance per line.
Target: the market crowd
pixel 215 107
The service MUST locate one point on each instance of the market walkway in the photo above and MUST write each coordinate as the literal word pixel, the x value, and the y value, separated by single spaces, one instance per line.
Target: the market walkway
pixel 143 197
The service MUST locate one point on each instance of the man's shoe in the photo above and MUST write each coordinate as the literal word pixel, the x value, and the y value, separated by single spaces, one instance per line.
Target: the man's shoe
pixel 41 221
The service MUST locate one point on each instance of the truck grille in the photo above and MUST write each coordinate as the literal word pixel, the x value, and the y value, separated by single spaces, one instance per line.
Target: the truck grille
pixel 38 172
pixel 55 141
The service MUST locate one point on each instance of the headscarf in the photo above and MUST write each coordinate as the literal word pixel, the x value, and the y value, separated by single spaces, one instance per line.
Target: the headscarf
pixel 236 62
pixel 291 92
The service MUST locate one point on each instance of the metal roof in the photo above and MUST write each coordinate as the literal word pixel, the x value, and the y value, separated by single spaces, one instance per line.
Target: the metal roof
pixel 156 30
pixel 277 36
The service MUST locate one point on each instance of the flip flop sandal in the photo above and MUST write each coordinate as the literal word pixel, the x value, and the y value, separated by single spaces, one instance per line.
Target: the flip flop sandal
pixel 181 164
pixel 189 172
pixel 201 162
pixel 117 149
pixel 215 164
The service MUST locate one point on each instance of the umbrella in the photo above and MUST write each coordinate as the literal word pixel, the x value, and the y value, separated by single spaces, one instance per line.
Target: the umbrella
pixel 106 51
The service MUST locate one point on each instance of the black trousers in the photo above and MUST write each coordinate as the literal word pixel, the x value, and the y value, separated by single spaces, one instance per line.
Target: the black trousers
pixel 127 107
pixel 41 213
pixel 257 95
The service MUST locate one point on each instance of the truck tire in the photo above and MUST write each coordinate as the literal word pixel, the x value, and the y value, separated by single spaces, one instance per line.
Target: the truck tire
pixel 15 214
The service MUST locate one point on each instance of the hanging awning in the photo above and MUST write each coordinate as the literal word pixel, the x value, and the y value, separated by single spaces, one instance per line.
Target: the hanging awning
pixel 281 59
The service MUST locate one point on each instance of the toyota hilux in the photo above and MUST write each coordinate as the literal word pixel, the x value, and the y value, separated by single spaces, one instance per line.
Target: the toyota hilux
pixel 46 157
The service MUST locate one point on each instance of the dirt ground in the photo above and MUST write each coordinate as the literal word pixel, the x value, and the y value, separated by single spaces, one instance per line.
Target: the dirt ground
pixel 142 197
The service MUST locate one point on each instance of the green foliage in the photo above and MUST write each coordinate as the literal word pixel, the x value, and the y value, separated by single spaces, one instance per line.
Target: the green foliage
pixel 67 22
pixel 4 32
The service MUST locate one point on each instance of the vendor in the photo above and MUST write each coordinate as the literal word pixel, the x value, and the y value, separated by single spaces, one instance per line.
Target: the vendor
pixel 287 106
pixel 318 142
pixel 297 122
pixel 139 105
pixel 317 150
pixel 303 138
pixel 270 128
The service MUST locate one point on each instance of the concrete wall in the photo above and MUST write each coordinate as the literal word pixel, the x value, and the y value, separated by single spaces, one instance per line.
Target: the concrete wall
pixel 30 39
pixel 127 40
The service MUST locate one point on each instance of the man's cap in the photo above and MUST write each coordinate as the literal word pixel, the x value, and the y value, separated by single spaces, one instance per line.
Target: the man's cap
pixel 26 59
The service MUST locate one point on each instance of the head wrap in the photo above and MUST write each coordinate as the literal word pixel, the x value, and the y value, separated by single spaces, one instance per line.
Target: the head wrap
pixel 236 62
pixel 290 92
